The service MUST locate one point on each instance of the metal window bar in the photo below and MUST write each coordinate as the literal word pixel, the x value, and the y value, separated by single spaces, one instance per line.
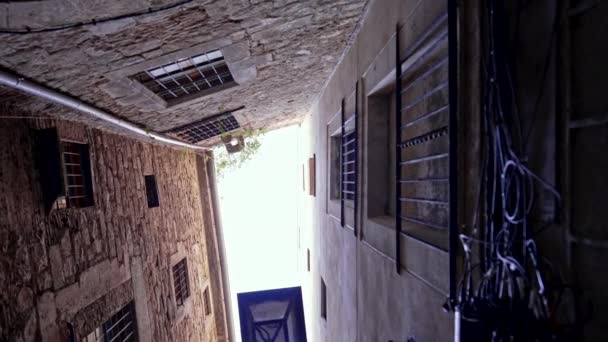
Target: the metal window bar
pixel 180 282
pixel 207 128
pixel 75 183
pixel 348 161
pixel 349 158
pixel 121 327
pixel 181 81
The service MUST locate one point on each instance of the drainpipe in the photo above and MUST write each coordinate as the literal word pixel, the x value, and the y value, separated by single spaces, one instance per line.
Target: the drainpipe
pixel 221 247
pixel 13 81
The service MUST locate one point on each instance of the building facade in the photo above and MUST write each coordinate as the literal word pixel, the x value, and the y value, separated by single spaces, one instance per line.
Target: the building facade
pixel 123 248
pixel 396 204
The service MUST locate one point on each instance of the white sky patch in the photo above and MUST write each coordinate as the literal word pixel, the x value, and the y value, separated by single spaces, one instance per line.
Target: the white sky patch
pixel 259 208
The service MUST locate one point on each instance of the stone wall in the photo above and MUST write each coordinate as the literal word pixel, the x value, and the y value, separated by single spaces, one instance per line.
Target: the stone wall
pixel 291 45
pixel 80 265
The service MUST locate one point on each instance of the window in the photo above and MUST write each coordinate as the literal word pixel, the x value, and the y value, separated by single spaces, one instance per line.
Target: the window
pixel 187 78
pixel 311 176
pixel 342 162
pixel 381 153
pixel 308 259
pixel 323 300
pixel 206 128
pixel 207 302
pixel 180 282
pixel 151 191
pixel 77 173
pixel 122 326
pixel 348 166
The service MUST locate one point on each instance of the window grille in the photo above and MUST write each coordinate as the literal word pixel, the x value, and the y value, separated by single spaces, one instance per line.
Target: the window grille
pixel 187 78
pixel 348 160
pixel 151 191
pixel 206 128
pixel 77 172
pixel 348 166
pixel 121 327
pixel 180 282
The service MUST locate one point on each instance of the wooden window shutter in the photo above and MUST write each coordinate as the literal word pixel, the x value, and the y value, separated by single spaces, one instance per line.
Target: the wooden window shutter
pixel 311 176
pixel 48 161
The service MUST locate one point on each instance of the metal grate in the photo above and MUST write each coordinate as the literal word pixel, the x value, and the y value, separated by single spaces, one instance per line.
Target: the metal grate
pixel 121 327
pixel 197 75
pixel 207 302
pixel 348 166
pixel 180 282
pixel 206 128
pixel 151 191
pixel 76 165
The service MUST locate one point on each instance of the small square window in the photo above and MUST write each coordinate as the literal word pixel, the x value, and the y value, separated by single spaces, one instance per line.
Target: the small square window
pixel 187 78
pixel 151 191
pixel 308 259
pixel 77 173
pixel 311 176
pixel 122 326
pixel 207 302
pixel 180 282
pixel 323 300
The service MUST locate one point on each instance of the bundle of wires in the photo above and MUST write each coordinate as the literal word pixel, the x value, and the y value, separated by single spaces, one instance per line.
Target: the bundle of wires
pixel 503 296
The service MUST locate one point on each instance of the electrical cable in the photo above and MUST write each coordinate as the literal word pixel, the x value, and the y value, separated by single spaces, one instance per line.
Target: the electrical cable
pixel 95 21
pixel 510 299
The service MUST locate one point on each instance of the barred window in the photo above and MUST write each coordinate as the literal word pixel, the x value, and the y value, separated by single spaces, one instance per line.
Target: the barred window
pixel 180 282
pixel 187 78
pixel 348 166
pixel 77 173
pixel 121 327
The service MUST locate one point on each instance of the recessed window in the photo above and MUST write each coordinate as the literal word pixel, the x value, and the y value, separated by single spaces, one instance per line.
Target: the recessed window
pixel 342 164
pixel 151 191
pixel 311 176
pixel 323 300
pixel 180 282
pixel 308 259
pixel 77 173
pixel 380 144
pixel 348 165
pixel 207 302
pixel 187 78
pixel 122 326
pixel 206 128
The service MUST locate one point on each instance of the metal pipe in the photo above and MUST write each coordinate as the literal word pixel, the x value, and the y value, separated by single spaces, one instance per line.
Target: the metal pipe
pixel 453 230
pixel 356 157
pixel 219 231
pixel 13 81
pixel 342 163
pixel 397 152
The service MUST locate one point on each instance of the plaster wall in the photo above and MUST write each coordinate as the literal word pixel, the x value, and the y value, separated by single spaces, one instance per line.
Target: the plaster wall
pixel 366 299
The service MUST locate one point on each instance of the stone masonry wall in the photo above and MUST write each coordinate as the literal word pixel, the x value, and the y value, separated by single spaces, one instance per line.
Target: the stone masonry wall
pixel 293 47
pixel 82 265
